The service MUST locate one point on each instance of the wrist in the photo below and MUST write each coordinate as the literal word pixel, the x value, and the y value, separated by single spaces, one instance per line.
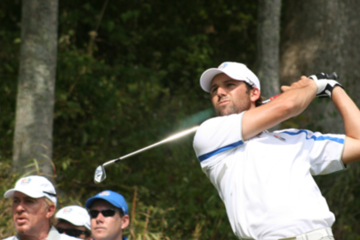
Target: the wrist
pixel 337 88
pixel 314 87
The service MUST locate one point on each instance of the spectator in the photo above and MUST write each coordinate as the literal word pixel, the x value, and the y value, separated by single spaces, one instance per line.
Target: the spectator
pixel 74 221
pixel 109 215
pixel 33 209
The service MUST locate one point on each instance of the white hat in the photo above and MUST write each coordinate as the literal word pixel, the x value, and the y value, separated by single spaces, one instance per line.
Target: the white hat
pixel 237 71
pixel 75 215
pixel 35 187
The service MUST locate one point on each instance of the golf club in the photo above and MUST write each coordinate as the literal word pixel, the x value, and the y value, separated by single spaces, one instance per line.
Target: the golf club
pixel 100 174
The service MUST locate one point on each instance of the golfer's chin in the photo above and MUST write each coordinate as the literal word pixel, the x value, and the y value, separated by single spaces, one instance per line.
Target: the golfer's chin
pixel 224 111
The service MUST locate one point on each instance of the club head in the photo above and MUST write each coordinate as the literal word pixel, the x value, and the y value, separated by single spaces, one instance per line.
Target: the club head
pixel 100 174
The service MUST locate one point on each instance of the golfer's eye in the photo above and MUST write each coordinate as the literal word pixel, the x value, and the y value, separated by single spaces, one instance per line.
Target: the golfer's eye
pixel 230 84
pixel 214 89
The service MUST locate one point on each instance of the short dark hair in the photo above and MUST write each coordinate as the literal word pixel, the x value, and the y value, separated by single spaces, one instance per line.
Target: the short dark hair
pixel 260 99
pixel 121 213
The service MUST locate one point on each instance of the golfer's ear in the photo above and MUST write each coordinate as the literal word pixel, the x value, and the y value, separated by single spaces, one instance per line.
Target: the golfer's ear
pixel 254 94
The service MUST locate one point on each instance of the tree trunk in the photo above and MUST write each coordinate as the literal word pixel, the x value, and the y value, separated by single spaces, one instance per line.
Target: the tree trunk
pixel 36 85
pixel 322 36
pixel 268 40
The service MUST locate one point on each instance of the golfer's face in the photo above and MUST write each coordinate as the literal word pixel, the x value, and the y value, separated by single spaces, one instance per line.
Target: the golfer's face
pixel 229 96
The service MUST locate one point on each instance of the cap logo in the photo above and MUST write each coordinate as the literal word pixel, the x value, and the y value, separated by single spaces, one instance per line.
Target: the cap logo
pixel 25 181
pixel 104 193
pixel 223 65
pixel 67 210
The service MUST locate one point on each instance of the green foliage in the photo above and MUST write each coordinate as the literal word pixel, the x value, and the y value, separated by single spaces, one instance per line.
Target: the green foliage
pixel 136 83
pixel 6 224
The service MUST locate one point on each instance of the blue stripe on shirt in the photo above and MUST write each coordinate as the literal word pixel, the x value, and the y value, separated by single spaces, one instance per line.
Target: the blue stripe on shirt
pixel 315 138
pixel 217 151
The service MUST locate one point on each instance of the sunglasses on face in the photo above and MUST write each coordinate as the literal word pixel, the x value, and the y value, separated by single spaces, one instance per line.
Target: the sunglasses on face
pixel 104 212
pixel 73 232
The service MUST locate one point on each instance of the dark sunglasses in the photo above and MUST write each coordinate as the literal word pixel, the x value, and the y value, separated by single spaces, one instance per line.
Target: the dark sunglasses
pixel 104 212
pixel 73 232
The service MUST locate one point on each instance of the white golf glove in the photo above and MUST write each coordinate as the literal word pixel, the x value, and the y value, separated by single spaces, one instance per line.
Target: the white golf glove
pixel 325 84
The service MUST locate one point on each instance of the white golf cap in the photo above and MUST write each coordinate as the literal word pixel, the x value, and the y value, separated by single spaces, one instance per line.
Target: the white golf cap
pixel 237 71
pixel 35 187
pixel 75 215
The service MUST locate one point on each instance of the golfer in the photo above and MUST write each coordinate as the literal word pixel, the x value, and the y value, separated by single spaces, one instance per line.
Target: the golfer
pixel 265 178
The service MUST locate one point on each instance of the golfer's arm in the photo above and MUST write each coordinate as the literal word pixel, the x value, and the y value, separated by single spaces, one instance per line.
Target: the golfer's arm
pixel 350 114
pixel 291 103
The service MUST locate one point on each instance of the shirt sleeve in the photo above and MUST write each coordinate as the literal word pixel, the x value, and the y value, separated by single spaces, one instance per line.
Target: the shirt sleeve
pixel 217 135
pixel 326 152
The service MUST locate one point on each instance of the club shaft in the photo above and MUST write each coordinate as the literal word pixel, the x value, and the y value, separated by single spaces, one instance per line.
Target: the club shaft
pixel 173 137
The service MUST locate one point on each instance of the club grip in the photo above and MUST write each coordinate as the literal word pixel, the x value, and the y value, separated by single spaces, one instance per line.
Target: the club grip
pixel 334 76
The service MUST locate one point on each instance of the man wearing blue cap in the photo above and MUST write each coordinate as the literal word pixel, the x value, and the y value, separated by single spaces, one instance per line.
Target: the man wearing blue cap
pixel 109 215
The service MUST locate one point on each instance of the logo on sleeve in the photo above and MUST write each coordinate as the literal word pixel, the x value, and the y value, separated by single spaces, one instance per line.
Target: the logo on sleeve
pixel 280 138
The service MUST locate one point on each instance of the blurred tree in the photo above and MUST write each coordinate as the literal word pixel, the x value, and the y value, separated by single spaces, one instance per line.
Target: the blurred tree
pixel 36 83
pixel 320 36
pixel 268 43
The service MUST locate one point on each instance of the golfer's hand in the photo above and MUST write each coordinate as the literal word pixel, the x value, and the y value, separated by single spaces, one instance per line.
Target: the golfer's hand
pixel 304 82
pixel 325 85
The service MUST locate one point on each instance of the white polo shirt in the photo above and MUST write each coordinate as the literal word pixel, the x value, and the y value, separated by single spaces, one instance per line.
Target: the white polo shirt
pixel 53 235
pixel 266 182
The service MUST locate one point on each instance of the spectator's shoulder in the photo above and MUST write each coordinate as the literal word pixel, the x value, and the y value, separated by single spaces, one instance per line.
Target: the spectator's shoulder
pixel 9 238
pixel 65 237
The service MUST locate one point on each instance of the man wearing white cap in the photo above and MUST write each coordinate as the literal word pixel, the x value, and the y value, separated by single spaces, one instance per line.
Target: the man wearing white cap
pixel 33 209
pixel 265 178
pixel 109 215
pixel 74 221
